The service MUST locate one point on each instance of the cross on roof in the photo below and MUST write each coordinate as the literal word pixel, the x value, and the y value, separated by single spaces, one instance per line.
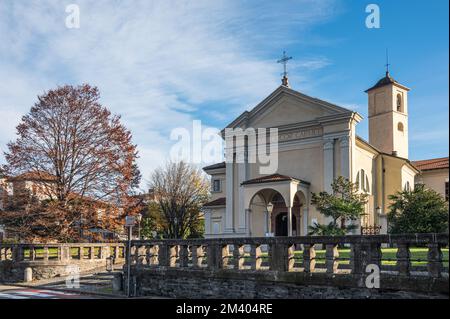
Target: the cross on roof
pixel 284 61
pixel 387 62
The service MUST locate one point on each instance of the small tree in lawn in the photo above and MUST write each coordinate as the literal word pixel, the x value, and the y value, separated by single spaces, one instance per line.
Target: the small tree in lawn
pixel 345 203
pixel 421 210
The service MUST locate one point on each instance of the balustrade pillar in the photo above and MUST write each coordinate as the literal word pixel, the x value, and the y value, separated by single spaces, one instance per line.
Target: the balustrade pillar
pixel 17 253
pixel 238 256
pixel 434 257
pixel 225 256
pixel 356 260
pixel 184 255
pixel 46 253
pixel 331 256
pixel 163 255
pixel 105 252
pixel 309 258
pixel 151 255
pixel 214 256
pixel 173 255
pixel 280 257
pixel 375 254
pixel 255 257
pixel 91 253
pixel 65 253
pixel 403 259
pixel 141 254
pixel 197 256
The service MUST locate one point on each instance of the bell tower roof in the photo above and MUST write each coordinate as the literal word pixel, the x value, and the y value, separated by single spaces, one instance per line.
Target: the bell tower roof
pixel 387 80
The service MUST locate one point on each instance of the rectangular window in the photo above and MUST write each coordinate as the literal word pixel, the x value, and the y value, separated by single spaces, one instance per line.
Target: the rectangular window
pixel 447 191
pixel 216 185
pixel 216 227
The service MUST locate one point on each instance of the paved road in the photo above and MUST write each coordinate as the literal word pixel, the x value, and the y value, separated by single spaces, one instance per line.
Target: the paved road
pixel 12 292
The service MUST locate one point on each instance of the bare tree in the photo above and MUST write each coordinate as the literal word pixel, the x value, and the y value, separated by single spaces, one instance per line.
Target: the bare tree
pixel 69 136
pixel 180 190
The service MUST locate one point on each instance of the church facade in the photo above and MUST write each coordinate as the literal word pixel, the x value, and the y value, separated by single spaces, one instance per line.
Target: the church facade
pixel 317 142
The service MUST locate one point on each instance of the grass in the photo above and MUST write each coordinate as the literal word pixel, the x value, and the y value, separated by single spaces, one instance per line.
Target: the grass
pixel 418 256
pixel 53 252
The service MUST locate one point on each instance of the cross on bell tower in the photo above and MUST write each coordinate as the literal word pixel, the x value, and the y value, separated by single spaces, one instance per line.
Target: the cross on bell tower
pixel 387 62
pixel 284 60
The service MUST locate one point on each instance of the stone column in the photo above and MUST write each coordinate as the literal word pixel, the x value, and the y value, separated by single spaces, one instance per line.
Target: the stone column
pixel 248 221
pixel 267 226
pixel 229 199
pixel 289 217
pixel 345 156
pixel 305 221
pixel 328 164
pixel 207 215
pixel 242 177
pixel 328 168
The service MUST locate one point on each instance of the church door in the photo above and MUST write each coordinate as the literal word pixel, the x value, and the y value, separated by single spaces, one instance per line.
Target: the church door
pixel 281 224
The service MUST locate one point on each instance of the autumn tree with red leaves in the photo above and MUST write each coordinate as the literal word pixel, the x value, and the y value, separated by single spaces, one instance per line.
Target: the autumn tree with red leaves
pixel 84 161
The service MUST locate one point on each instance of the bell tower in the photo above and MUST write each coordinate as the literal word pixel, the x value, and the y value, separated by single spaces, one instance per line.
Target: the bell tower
pixel 388 116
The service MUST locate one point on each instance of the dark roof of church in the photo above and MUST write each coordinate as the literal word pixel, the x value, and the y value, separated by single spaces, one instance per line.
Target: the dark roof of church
pixel 214 166
pixel 386 80
pixel 217 202
pixel 272 178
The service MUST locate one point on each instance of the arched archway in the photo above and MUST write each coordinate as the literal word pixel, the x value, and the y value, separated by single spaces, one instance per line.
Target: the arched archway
pixel 262 206
pixel 279 224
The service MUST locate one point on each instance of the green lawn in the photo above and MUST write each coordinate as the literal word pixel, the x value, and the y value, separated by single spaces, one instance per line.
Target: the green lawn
pixel 418 256
pixel 53 252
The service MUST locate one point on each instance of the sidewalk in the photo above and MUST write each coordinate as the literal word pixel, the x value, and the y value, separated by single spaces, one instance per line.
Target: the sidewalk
pixel 99 284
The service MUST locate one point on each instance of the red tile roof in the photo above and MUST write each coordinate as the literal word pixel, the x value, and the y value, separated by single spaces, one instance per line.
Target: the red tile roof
pixel 272 178
pixel 34 176
pixel 217 202
pixel 435 163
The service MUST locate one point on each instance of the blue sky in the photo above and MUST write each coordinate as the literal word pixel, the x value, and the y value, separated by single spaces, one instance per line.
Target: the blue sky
pixel 162 64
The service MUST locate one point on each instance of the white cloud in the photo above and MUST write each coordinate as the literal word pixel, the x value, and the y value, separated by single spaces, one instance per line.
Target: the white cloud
pixel 153 61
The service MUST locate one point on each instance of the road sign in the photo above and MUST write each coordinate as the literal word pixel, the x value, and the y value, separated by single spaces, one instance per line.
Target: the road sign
pixel 130 221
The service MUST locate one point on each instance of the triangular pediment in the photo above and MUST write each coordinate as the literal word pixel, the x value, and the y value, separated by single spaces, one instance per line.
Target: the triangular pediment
pixel 286 106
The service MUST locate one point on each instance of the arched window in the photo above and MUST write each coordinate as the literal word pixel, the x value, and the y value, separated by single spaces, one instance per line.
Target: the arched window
pixel 407 187
pixel 362 181
pixel 400 126
pixel 399 103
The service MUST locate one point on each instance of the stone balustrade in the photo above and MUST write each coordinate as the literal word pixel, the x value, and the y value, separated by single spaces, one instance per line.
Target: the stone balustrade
pixel 191 265
pixel 279 253
pixel 52 260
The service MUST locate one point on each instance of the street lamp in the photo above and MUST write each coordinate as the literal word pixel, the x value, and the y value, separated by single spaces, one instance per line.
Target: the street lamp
pixel 139 219
pixel 269 209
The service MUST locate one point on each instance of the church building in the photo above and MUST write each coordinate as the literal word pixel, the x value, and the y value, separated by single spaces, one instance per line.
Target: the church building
pixel 317 142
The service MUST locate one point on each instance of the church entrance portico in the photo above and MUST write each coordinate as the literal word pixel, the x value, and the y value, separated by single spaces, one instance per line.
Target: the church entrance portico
pixel 276 208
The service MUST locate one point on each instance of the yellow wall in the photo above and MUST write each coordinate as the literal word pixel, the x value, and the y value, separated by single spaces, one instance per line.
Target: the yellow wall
pixel 434 179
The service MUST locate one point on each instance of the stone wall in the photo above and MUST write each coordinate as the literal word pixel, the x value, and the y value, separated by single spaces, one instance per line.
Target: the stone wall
pixel 175 283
